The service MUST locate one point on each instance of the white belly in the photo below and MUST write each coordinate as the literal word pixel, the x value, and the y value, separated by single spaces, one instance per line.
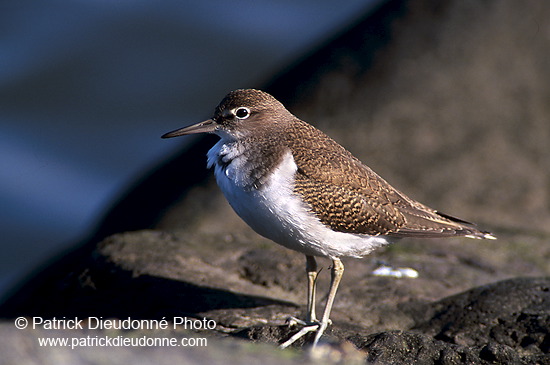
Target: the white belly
pixel 276 212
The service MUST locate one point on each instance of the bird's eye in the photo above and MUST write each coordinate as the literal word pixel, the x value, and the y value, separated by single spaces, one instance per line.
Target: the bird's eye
pixel 242 113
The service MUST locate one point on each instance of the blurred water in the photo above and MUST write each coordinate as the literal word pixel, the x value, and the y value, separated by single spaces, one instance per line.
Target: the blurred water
pixel 88 87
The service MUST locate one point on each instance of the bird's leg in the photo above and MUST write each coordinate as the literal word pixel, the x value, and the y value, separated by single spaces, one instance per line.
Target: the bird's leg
pixel 311 323
pixel 336 273
pixel 311 271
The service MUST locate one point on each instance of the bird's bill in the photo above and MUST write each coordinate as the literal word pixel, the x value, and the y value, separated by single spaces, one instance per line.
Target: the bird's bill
pixel 208 126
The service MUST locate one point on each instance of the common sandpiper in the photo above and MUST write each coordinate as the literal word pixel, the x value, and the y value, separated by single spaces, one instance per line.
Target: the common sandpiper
pixel 295 185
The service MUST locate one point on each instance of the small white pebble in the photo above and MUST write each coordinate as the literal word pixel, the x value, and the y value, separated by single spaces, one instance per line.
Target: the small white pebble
pixel 399 272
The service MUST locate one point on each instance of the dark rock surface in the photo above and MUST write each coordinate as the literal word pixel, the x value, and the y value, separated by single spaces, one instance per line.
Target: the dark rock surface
pixel 448 101
pixel 156 275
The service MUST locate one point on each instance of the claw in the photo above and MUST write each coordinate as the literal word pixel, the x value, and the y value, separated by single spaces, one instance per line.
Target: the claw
pixel 308 327
pixel 320 330
pixel 293 321
pixel 305 330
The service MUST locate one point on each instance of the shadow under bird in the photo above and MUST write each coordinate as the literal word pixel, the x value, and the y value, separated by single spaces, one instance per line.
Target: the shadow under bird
pixel 295 185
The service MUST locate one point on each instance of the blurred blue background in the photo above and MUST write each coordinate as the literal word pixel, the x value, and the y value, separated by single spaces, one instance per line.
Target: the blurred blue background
pixel 88 87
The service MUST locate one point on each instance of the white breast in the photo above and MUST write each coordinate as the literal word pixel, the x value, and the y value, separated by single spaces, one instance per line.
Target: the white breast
pixel 276 212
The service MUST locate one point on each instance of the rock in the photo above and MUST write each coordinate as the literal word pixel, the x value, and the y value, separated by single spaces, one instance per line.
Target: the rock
pixel 156 275
pixel 397 347
pixel 513 313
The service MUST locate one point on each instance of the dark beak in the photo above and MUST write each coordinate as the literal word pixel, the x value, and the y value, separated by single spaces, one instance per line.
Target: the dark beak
pixel 208 126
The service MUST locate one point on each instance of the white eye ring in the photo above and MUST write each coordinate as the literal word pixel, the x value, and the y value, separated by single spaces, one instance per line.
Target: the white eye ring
pixel 241 112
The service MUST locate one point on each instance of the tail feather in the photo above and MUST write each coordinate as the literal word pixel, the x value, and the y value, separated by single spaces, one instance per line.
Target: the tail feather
pixel 475 232
pixel 436 224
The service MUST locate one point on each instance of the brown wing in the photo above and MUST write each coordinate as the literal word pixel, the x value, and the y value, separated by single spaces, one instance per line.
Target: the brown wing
pixel 349 197
pixel 345 209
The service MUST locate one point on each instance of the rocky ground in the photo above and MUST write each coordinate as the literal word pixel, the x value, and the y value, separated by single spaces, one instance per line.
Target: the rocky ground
pixel 249 287
pixel 448 101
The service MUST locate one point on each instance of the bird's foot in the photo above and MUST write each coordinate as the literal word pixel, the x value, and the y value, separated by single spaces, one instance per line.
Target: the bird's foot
pixel 308 326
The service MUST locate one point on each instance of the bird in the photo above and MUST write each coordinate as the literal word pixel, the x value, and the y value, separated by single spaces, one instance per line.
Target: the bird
pixel 296 186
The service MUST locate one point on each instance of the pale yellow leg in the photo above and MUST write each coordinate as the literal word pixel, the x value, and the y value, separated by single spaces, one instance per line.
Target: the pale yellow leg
pixel 336 273
pixel 311 270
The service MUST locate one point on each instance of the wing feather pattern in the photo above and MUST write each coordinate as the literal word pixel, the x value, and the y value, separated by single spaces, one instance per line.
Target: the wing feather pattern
pixel 348 196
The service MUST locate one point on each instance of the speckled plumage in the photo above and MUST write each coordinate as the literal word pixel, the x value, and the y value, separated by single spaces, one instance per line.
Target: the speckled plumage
pixel 349 197
pixel 295 185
